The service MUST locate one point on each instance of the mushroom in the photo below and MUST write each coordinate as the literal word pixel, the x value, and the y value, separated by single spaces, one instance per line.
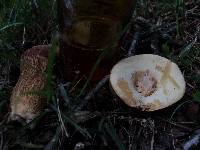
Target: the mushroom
pixel 147 81
pixel 27 100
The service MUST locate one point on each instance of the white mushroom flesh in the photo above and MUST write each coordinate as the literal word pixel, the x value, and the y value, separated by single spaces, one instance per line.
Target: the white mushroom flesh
pixel 147 81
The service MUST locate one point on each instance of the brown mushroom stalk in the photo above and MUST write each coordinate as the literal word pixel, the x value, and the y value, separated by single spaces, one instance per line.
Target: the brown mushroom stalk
pixel 28 100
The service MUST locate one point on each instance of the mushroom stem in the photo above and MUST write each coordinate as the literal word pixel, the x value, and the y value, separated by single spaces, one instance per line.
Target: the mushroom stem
pixel 28 98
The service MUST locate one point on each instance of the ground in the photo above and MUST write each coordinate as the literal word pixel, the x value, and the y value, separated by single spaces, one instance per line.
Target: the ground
pixel 167 28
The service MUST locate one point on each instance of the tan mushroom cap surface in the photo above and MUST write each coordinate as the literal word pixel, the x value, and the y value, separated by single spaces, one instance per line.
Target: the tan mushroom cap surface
pixel 147 81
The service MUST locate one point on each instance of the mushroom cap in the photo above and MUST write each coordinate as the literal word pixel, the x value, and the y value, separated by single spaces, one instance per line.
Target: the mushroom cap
pixel 147 81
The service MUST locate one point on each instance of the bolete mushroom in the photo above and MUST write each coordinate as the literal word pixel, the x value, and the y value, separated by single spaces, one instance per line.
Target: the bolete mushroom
pixel 147 81
pixel 27 100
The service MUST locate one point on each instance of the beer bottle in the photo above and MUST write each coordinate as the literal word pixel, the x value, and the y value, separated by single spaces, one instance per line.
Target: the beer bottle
pixel 86 27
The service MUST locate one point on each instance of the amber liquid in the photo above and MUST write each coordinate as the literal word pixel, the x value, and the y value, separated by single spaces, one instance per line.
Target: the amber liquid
pixel 86 28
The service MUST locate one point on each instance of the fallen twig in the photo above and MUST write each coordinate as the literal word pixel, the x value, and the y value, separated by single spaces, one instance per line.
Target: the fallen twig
pixel 83 116
pixel 1 143
pixel 63 93
pixel 135 40
pixel 193 141
pixel 154 44
pixel 51 145
pixel 93 92
pixel 97 88
pixel 175 124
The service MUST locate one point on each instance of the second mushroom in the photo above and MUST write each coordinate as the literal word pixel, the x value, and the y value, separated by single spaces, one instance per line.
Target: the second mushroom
pixel 147 81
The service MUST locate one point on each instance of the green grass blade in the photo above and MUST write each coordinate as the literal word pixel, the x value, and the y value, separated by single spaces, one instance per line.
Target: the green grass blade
pixel 67 119
pixel 187 49
pixel 196 96
pixel 49 71
pixel 11 25
pixel 111 131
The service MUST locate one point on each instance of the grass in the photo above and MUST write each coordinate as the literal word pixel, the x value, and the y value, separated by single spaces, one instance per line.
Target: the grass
pixel 27 23
pixel 19 18
pixel 50 67
pixel 111 131
pixel 179 12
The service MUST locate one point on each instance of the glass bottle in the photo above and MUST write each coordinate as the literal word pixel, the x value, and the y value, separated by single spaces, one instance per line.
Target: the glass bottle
pixel 85 28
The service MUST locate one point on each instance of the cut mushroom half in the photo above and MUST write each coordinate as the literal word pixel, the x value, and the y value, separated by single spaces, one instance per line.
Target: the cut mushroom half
pixel 147 81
